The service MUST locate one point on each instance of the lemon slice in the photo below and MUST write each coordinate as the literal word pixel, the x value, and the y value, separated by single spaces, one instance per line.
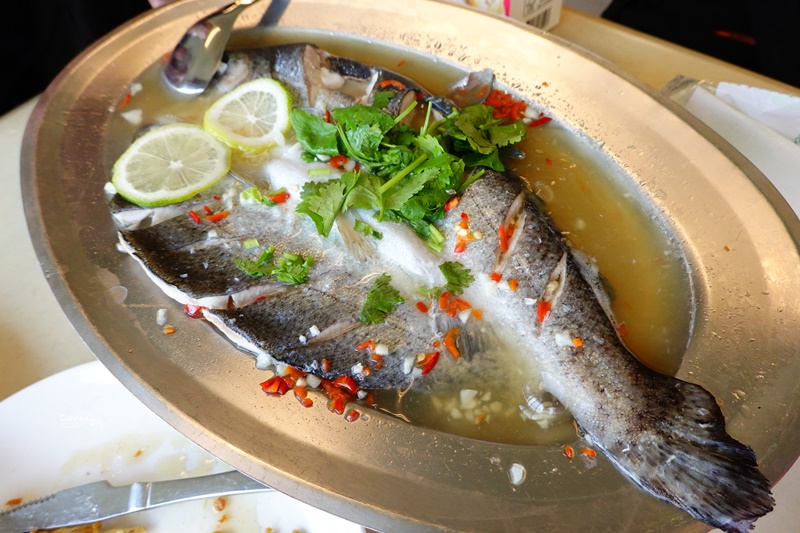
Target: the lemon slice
pixel 252 117
pixel 170 164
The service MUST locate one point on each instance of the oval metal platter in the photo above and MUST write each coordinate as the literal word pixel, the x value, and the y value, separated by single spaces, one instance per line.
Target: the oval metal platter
pixel 738 235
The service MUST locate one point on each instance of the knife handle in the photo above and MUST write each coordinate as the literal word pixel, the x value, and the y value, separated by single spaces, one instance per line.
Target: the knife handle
pixel 157 493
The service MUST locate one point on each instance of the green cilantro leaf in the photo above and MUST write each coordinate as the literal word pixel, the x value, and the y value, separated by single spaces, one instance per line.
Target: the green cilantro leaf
pixel 457 276
pixel 381 300
pixel 362 227
pixel 323 201
pixel 382 99
pixel 361 129
pixel 292 269
pixel 366 194
pixel 314 134
pixel 259 267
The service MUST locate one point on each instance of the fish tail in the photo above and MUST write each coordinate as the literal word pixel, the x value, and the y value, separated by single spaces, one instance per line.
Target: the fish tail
pixel 689 460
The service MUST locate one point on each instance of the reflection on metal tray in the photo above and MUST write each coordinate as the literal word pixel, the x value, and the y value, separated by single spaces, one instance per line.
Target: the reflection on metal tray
pixel 738 235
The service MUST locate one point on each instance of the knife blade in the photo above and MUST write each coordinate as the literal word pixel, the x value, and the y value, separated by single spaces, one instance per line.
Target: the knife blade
pixel 101 501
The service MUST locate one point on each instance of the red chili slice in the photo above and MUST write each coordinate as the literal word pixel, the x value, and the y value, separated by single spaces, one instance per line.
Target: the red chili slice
pixel 338 161
pixel 501 232
pixel 392 83
pixel 194 311
pixel 276 385
pixel 216 217
pixel 301 393
pixel 346 383
pixel 542 310
pixel 450 204
pixel 337 404
pixel 450 342
pixel 428 362
pixel 539 121
pixel 366 344
pixel 279 198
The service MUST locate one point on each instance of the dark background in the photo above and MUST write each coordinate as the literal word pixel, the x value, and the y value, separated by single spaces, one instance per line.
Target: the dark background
pixel 759 35
pixel 42 36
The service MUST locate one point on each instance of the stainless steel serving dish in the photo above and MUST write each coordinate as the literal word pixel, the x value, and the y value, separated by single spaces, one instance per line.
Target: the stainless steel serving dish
pixel 381 472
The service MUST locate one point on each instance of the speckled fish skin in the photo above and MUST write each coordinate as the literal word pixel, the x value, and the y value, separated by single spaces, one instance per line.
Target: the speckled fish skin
pixel 666 435
pixel 278 323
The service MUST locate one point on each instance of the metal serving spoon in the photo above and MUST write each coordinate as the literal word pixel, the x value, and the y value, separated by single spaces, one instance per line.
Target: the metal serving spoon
pixel 196 58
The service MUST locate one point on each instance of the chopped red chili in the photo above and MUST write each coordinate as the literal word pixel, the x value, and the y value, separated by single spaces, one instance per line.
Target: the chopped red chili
pixel 568 452
pixel 496 277
pixel 428 362
pixel 450 342
pixel 539 121
pixel 366 344
pixel 346 383
pixel 338 161
pixel 542 310
pixel 207 209
pixel 125 101
pixel 216 217
pixel 421 307
pixel 275 385
pixel 450 204
pixel 194 311
pixel 395 84
pixel 194 216
pixel 326 366
pixel 301 393
pixel 279 198
pixel 505 106
pixel 337 404
pixel 352 416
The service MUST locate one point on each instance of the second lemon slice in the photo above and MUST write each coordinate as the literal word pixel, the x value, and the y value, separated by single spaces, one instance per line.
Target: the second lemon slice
pixel 252 117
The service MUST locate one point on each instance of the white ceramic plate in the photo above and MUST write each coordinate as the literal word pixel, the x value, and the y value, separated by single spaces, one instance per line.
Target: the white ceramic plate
pixel 82 425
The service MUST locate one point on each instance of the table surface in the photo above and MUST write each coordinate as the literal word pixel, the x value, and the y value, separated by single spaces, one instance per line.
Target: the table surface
pixel 39 340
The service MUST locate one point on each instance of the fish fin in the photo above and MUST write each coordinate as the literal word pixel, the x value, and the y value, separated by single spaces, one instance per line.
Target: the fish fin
pixel 693 463
pixel 355 242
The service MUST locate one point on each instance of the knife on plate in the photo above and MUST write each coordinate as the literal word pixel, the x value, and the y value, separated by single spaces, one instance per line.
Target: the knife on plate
pixel 101 501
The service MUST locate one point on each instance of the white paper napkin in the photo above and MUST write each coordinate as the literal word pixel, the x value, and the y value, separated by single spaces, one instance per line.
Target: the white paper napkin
pixel 768 149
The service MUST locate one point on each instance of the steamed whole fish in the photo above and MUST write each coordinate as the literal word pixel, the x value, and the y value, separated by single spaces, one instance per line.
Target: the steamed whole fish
pixel 666 435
